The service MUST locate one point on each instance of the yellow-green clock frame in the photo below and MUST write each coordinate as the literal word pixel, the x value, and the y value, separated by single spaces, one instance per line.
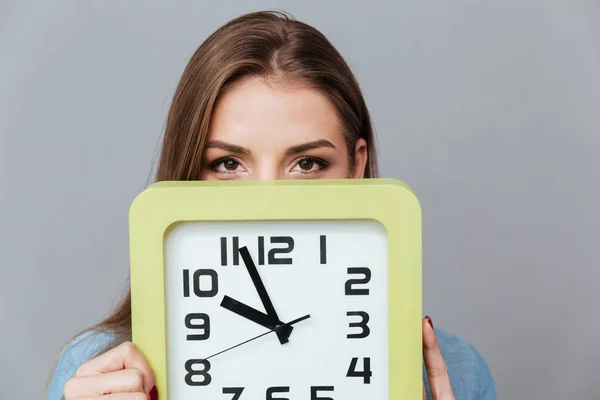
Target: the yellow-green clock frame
pixel 388 201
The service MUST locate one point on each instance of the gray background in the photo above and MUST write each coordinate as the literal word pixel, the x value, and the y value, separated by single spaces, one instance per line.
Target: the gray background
pixel 489 110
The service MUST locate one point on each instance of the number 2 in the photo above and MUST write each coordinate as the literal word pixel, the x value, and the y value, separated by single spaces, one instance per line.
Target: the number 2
pixel 350 291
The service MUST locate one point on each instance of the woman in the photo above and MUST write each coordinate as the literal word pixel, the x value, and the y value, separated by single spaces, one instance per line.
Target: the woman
pixel 264 97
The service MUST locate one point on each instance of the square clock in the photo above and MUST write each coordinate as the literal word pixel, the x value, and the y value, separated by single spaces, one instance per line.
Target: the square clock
pixel 291 289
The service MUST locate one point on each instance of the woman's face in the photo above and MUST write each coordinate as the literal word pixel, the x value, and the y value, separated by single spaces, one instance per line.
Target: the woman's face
pixel 264 131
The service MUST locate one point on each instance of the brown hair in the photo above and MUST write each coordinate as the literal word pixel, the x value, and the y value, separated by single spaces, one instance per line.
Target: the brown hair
pixel 269 45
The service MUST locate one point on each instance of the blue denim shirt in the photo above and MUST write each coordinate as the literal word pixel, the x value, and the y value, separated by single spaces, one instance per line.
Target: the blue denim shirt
pixel 470 375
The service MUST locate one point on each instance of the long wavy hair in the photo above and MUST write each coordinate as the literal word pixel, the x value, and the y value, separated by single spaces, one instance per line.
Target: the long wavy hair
pixel 270 45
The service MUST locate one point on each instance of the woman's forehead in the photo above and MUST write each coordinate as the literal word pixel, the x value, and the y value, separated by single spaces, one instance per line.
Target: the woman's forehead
pixel 254 110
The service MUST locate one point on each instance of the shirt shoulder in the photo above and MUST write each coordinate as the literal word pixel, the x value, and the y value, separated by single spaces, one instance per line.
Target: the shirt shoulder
pixel 78 351
pixel 470 375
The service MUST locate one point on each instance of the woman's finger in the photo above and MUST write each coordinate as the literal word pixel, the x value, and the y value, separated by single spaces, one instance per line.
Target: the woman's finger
pixel 125 356
pixel 123 381
pixel 437 373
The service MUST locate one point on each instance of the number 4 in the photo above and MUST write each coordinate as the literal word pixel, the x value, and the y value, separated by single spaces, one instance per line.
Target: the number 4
pixel 366 373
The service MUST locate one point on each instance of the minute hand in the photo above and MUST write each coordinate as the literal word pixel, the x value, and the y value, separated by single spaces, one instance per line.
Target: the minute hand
pixel 262 293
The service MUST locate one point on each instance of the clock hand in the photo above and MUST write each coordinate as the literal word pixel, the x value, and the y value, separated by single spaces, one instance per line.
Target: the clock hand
pixel 248 312
pixel 254 315
pixel 289 324
pixel 262 293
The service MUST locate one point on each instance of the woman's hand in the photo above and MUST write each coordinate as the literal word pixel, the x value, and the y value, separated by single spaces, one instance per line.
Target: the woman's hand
pixel 437 373
pixel 119 374
pixel 124 374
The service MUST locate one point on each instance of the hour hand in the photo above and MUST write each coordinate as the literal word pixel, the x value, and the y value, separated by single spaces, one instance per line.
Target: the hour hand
pixel 283 331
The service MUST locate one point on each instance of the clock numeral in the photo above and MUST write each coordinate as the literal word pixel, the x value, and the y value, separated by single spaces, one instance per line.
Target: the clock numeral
pixel 223 251
pixel 235 391
pixel 277 389
pixel 351 291
pixel 364 320
pixel 273 252
pixel 236 250
pixel 261 250
pixel 191 373
pixel 314 392
pixel 204 325
pixel 272 255
pixel 198 290
pixel 315 396
pixel 365 373
pixel 323 249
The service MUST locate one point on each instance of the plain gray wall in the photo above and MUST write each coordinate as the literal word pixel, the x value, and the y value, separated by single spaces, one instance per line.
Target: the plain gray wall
pixel 489 110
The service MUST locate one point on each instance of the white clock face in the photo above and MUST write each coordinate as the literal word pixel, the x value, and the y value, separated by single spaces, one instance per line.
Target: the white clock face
pixel 315 290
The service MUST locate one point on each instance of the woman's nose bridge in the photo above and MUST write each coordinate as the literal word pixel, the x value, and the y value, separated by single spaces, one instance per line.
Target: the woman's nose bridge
pixel 268 169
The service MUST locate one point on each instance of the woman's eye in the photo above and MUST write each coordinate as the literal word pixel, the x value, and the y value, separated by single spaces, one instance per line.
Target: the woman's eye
pixel 309 165
pixel 230 165
pixel 225 165
pixel 306 164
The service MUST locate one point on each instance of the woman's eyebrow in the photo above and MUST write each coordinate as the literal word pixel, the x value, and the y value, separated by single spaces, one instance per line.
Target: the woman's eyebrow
pixel 309 146
pixel 219 144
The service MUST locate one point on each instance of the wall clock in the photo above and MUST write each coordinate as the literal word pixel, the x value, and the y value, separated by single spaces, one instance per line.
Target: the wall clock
pixel 298 290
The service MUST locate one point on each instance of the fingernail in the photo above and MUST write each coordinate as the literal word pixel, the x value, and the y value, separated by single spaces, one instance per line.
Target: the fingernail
pixel 429 320
pixel 153 393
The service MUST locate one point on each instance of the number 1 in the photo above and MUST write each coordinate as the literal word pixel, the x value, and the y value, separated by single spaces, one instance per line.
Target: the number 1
pixel 323 249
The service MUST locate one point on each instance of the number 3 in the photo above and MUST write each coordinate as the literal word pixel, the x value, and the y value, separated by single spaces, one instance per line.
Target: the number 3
pixel 362 324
